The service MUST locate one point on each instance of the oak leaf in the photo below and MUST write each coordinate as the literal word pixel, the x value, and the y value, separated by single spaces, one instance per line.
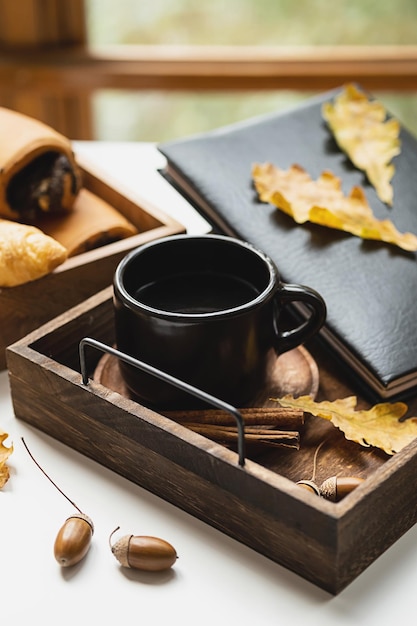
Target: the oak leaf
pixel 323 202
pixel 370 140
pixel 5 452
pixel 378 426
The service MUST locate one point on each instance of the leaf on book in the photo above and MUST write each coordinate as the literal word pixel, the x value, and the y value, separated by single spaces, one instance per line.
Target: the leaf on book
pixel 378 426
pixel 5 452
pixel 323 202
pixel 361 129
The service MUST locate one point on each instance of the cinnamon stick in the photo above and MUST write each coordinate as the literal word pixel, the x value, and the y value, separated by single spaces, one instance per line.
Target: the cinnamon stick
pixel 253 435
pixel 279 417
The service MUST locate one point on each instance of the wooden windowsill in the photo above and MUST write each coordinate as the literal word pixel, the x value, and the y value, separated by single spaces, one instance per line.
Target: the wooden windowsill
pixel 59 70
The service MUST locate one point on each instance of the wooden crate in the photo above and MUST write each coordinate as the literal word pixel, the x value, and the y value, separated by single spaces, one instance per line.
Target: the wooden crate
pixel 25 307
pixel 259 503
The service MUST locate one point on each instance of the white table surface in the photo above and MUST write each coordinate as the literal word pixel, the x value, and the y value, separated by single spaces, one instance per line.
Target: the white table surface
pixel 216 580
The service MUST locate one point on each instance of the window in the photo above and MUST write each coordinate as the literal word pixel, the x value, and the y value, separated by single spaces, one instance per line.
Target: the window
pixel 160 115
pixel 167 68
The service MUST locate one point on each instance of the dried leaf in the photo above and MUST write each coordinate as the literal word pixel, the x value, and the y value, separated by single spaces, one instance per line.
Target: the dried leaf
pixel 322 201
pixel 361 129
pixel 5 452
pixel 378 426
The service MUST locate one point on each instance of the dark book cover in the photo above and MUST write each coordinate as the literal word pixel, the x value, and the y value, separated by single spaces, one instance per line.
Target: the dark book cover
pixel 370 287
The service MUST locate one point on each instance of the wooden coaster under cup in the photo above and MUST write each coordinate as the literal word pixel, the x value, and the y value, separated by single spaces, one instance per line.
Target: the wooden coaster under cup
pixel 295 372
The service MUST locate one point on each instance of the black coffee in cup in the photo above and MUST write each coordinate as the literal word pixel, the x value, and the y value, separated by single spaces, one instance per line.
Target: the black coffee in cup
pixel 196 293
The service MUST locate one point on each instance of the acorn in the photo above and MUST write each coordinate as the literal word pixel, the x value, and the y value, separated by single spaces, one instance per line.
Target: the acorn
pixel 73 540
pixel 149 554
pixel 334 488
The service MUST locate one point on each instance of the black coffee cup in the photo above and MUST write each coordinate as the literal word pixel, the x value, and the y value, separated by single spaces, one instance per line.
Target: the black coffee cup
pixel 205 309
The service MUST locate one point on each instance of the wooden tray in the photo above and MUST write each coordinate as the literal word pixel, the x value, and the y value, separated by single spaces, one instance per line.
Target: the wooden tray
pixel 26 307
pixel 258 504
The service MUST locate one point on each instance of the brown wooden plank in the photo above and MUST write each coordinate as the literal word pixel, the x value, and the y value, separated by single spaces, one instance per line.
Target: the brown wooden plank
pixel 377 514
pixel 18 22
pixel 32 22
pixel 202 68
pixel 28 25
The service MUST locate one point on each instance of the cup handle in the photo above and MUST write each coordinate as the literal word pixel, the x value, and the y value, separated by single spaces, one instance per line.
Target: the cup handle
pixel 288 294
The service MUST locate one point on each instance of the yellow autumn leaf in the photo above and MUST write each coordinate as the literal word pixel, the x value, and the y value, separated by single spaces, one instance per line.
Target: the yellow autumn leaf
pixel 5 452
pixel 378 426
pixel 370 140
pixel 323 202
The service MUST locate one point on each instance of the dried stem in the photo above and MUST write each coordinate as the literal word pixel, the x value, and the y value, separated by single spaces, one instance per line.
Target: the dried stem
pixel 49 478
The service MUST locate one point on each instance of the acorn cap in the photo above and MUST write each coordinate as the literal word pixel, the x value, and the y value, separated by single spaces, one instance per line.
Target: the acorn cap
pixel 328 489
pixel 121 550
pixel 310 485
pixel 84 517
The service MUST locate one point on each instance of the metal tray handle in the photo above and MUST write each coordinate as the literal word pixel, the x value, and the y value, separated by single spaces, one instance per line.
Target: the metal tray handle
pixel 176 382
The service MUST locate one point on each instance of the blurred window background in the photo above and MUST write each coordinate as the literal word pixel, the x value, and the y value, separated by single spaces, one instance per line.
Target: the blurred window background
pixel 148 115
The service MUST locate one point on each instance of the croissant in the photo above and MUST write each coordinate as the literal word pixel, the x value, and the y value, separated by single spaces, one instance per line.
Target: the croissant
pixel 26 253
